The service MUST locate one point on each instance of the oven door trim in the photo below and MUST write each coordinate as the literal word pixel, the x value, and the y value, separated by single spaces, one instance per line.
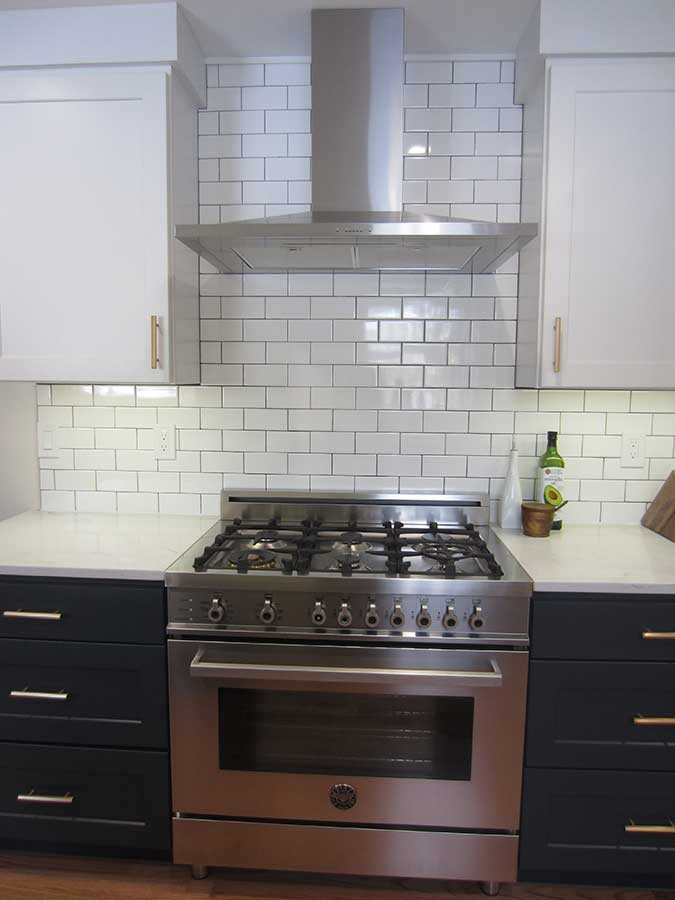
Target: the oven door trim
pixel 339 677
pixel 489 800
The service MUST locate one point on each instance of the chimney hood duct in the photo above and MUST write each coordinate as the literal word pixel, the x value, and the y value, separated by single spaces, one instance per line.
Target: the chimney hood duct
pixel 356 223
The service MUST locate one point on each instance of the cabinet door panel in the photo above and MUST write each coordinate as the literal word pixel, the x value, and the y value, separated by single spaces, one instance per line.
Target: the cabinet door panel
pixel 603 715
pixel 83 224
pixel 60 692
pixel 576 823
pixel 609 243
pixel 75 796
pixel 82 609
pixel 635 627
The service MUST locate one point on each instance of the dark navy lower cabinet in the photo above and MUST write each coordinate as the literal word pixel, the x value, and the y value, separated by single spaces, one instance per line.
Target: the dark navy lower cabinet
pixel 84 761
pixel 78 796
pixel 599 784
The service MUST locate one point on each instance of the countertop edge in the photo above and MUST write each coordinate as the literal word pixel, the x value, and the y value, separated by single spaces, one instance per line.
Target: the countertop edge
pixel 65 572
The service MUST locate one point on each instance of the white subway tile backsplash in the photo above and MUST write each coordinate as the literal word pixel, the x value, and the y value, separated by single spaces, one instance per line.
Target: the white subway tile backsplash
pixel 428 72
pixel 416 95
pixel 333 307
pixel 475 120
pixel 423 398
pixel 511 119
pixel 358 283
pixel 299 96
pixel 290 120
pixel 219 146
pixel 476 72
pixel 242 122
pixel 435 168
pixel 287 73
pixel 240 74
pixel 427 120
pixel 453 144
pixel 350 381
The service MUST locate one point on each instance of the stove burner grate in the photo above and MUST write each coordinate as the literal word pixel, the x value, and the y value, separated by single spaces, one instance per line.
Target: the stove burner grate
pixel 449 550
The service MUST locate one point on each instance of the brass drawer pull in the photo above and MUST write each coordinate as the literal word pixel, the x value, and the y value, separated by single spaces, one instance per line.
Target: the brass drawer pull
pixel 25 694
pixel 32 797
pixel 658 635
pixel 557 337
pixel 154 329
pixel 632 828
pixel 653 720
pixel 24 614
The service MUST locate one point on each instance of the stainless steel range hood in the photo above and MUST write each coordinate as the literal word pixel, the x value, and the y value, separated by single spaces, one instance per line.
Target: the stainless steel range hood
pixel 357 164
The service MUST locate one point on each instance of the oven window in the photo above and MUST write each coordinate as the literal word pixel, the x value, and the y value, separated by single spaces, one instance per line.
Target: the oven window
pixel 346 734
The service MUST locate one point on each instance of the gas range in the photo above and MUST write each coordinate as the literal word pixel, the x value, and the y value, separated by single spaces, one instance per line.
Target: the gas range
pixel 373 566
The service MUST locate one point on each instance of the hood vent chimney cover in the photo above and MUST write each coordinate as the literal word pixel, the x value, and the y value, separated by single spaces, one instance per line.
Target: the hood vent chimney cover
pixel 356 222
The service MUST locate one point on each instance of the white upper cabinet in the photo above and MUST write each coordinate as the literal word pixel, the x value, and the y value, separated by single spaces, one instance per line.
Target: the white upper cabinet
pixel 597 305
pixel 95 163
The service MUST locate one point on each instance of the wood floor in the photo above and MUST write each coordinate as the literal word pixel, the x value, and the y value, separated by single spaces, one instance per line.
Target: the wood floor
pixel 26 876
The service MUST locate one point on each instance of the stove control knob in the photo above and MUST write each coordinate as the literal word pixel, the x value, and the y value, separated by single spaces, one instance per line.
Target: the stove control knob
pixel 268 613
pixel 344 616
pixel 397 617
pixel 423 619
pixel 476 619
pixel 450 617
pixel 216 611
pixel 318 614
pixel 372 616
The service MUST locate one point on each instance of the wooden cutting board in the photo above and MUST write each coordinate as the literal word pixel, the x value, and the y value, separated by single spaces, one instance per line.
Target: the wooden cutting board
pixel 660 515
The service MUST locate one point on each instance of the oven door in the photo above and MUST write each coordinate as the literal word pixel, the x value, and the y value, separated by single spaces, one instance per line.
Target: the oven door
pixel 335 733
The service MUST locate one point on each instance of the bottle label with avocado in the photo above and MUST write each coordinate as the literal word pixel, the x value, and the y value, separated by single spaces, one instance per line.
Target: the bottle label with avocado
pixel 550 486
pixel 550 477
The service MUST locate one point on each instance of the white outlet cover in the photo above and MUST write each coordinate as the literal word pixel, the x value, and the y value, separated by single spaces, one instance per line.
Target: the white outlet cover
pixel 632 451
pixel 165 441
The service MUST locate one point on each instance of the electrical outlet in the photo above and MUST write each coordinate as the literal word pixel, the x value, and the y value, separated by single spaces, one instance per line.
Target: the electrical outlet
pixel 165 441
pixel 632 451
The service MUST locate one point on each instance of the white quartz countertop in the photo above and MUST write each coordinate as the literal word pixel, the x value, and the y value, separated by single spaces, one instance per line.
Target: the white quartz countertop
pixel 597 559
pixel 96 545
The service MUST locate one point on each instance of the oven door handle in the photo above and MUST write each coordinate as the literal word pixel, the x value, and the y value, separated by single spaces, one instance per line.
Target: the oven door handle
pixel 438 681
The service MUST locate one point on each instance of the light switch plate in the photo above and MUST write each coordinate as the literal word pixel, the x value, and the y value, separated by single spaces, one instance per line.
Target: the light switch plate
pixel 632 451
pixel 48 445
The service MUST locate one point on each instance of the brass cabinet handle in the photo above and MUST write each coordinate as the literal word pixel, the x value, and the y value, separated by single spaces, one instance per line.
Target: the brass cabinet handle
pixel 653 720
pixel 658 635
pixel 557 338
pixel 23 614
pixel 32 797
pixel 25 694
pixel 154 329
pixel 632 828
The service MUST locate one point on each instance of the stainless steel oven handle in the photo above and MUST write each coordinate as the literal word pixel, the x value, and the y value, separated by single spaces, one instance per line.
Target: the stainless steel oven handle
pixel 281 676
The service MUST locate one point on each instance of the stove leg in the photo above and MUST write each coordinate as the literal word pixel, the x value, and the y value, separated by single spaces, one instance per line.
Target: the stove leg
pixel 199 872
pixel 491 888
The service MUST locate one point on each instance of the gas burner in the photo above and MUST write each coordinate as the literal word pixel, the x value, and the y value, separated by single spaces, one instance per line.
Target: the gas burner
pixel 251 559
pixel 351 537
pixel 349 561
pixel 442 538
pixel 266 537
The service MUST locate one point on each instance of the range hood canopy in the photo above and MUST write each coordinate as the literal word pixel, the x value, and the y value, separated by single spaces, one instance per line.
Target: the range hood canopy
pixel 357 164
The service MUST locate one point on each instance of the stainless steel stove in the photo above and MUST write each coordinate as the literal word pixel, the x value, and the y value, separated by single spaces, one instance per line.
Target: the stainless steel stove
pixel 347 688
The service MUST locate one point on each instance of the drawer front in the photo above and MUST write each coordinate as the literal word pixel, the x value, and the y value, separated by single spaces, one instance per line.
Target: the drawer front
pixel 606 715
pixel 615 824
pixel 78 609
pixel 593 627
pixel 61 692
pixel 66 795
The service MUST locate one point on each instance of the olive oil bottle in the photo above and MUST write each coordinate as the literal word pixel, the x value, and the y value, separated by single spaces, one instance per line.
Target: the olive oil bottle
pixel 550 475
